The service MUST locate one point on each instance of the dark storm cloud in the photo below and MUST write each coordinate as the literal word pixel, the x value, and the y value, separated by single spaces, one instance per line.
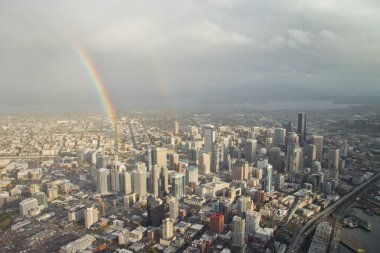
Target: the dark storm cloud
pixel 157 50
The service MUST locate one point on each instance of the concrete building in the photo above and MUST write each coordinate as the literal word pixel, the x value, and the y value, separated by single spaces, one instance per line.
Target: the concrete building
pixel 250 150
pixel 178 186
pixel 318 142
pixel 238 231
pixel 191 175
pixel 209 136
pixel 167 229
pixel 173 209
pixel 333 157
pixel 301 130
pixel 139 180
pixel 123 237
pixel 77 245
pixel 204 163
pixel 160 157
pixel 217 223
pixel 252 221
pixel 267 180
pixel 240 170
pixel 28 207
pixel 103 181
pixel 91 216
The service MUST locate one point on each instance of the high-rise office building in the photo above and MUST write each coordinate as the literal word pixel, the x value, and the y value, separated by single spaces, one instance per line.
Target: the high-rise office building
pixel 333 157
pixel 125 182
pixel 280 181
pixel 301 130
pixel 173 209
pixel 173 161
pixel 240 170
pixel 252 221
pixel 311 154
pixel 178 186
pixel 243 205
pixel 115 180
pixel 156 173
pixel 91 216
pixel 217 156
pixel 317 140
pixel 217 223
pixel 279 136
pixel 238 231
pixel 204 163
pixel 139 180
pixel 124 236
pixel 160 157
pixel 191 175
pixel 267 180
pixel 316 167
pixel 164 179
pixel 149 158
pixel 155 209
pixel 209 136
pixel 103 181
pixel 175 128
pixel 250 150
pixel 167 229
pixel 275 158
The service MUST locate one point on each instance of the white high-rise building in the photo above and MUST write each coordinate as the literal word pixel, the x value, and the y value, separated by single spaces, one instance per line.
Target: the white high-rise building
pixel 160 157
pixel 91 216
pixel 173 209
pixel 238 231
pixel 139 180
pixel 209 135
pixel 252 221
pixel 124 237
pixel 167 229
pixel 192 175
pixel 175 128
pixel 205 163
pixel 103 181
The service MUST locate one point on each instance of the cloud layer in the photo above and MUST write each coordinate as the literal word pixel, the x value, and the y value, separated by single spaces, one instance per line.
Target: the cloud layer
pixel 162 50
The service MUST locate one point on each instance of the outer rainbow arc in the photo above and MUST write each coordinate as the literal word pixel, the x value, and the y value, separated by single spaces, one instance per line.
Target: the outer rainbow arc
pixel 100 88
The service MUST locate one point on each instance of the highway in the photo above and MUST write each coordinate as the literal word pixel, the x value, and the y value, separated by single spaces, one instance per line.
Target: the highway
pixel 311 224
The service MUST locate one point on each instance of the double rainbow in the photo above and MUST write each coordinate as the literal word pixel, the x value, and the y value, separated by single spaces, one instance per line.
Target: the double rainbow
pixel 100 88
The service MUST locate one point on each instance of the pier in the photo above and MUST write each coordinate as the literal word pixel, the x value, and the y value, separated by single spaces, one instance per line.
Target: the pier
pixel 352 243
pixel 361 222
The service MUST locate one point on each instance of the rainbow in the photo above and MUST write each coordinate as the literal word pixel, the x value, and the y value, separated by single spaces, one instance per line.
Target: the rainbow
pixel 99 87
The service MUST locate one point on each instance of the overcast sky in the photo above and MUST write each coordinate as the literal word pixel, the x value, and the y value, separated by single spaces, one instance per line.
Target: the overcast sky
pixel 146 50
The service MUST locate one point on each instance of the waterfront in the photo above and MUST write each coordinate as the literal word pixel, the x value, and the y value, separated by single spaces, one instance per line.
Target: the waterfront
pixel 370 239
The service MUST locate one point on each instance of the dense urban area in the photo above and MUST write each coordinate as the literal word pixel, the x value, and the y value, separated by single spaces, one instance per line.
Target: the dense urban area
pixel 269 181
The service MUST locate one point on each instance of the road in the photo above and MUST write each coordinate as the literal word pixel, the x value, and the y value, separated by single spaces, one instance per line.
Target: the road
pixel 309 226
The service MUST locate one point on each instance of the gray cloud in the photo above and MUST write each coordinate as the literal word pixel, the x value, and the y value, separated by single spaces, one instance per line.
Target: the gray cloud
pixel 157 50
